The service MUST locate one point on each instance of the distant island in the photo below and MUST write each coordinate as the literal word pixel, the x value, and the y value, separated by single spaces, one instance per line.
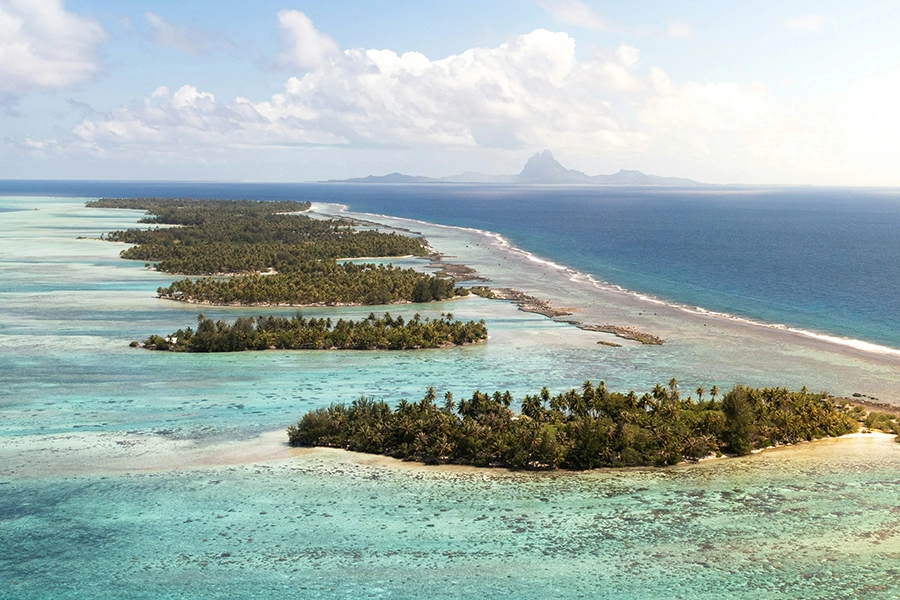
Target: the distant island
pixel 540 168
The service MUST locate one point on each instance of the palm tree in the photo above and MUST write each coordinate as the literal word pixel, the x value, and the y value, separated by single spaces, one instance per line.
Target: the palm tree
pixel 631 397
pixel 531 407
pixel 558 403
pixel 449 404
pixel 658 392
pixel 589 397
pixel 714 391
pixel 700 392
pixel 673 389
pixel 430 395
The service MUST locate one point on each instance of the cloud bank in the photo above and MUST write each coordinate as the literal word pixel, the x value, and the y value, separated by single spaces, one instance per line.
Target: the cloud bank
pixel 45 47
pixel 530 91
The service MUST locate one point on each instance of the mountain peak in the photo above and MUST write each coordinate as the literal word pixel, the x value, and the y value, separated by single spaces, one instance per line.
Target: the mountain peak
pixel 542 160
pixel 540 168
pixel 543 168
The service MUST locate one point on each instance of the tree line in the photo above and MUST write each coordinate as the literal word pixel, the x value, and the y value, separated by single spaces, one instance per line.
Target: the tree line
pixel 298 254
pixel 233 236
pixel 300 333
pixel 579 429
pixel 323 283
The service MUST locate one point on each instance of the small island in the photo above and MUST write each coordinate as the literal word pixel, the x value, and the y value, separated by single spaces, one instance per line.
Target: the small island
pixel 299 333
pixel 266 253
pixel 582 428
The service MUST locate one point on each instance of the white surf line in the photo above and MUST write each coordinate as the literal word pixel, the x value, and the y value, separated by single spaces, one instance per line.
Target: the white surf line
pixel 587 278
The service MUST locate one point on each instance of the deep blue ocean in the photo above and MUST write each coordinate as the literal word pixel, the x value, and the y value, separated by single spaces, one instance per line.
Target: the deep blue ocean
pixel 821 259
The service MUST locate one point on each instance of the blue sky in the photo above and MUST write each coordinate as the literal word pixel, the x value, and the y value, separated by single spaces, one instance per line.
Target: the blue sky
pixel 726 92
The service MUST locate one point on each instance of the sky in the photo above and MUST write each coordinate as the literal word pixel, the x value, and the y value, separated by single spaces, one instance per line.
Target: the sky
pixel 762 92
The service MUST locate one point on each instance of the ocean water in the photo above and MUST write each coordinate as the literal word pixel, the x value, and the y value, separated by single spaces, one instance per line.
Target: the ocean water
pixel 126 473
pixel 825 260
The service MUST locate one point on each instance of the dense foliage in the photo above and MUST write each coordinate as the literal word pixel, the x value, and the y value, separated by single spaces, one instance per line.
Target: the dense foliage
pixel 241 236
pixel 320 282
pixel 883 421
pixel 299 333
pixel 297 254
pixel 579 429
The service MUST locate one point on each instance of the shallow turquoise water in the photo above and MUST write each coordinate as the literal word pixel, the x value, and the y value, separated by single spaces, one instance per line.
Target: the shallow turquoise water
pixel 82 514
pixel 70 307
pixel 804 523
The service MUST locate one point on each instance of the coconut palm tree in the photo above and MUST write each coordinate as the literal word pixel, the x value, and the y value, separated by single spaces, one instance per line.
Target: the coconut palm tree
pixel 449 404
pixel 531 407
pixel 673 389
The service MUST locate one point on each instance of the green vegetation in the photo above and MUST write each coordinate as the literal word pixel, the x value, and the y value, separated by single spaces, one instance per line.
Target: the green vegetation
pixel 299 333
pixel 579 429
pixel 319 282
pixel 297 254
pixel 483 291
pixel 886 422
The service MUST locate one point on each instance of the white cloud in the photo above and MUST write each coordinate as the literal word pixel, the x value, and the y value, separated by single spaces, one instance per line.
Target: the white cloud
pixel 45 47
pixel 188 119
pixel 707 106
pixel 808 23
pixel 574 12
pixel 309 47
pixel 183 39
pixel 629 56
pixel 528 92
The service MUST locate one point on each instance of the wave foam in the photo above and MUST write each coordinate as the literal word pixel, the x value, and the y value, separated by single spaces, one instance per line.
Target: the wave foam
pixel 580 277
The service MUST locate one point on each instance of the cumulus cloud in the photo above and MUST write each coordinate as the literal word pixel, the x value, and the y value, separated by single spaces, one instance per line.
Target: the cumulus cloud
pixel 574 12
pixel 529 91
pixel 183 39
pixel 629 56
pixel 45 47
pixel 808 23
pixel 191 118
pixel 308 47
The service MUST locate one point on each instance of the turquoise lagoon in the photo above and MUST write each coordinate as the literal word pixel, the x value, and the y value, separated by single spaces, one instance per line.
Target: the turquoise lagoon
pixel 125 473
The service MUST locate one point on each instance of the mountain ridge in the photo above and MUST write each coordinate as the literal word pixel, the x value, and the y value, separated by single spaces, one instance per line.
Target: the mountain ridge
pixel 541 168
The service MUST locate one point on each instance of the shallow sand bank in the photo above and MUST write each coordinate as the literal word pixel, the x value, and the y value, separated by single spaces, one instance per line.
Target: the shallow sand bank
pixel 115 453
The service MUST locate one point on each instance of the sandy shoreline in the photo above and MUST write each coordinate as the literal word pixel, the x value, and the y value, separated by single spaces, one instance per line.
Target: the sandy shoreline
pixel 89 454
